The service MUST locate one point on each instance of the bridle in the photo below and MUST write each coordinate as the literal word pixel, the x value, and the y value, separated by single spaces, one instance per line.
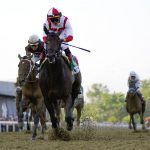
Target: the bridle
pixel 132 91
pixel 52 59
pixel 31 68
pixel 56 53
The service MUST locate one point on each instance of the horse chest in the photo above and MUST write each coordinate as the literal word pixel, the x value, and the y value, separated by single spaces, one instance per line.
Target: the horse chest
pixel 134 106
pixel 31 91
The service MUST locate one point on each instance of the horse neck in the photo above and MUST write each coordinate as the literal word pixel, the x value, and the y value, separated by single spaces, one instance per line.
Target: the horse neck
pixel 134 99
pixel 56 68
pixel 31 80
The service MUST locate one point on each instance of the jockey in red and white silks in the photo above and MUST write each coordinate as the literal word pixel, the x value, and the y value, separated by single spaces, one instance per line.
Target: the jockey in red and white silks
pixel 56 22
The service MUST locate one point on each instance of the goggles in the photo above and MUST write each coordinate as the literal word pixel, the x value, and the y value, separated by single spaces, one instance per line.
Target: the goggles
pixel 132 77
pixel 34 46
pixel 54 18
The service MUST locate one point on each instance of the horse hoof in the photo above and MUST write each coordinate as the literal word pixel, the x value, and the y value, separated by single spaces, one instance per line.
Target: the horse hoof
pixel 33 138
pixel 63 134
pixel 69 128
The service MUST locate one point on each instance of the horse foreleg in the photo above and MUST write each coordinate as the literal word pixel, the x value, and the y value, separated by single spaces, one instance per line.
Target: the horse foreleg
pixel 51 111
pixel 18 98
pixel 20 116
pixel 130 124
pixel 133 122
pixel 58 112
pixel 28 119
pixel 36 122
pixel 43 121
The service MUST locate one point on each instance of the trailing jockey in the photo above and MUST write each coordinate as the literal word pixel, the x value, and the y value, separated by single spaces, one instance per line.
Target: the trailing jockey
pixel 36 48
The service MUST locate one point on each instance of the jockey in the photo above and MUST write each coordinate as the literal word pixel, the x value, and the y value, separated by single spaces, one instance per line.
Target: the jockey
pixel 134 82
pixel 58 23
pixel 36 47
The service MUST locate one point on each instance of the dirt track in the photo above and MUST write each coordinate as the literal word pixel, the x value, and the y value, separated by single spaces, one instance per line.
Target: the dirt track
pixel 98 139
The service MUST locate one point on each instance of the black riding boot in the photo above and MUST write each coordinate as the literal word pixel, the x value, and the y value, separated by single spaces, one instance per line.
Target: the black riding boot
pixel 73 64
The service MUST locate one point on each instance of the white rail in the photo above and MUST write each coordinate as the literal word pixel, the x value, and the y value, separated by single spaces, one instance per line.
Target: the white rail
pixel 12 126
pixel 6 126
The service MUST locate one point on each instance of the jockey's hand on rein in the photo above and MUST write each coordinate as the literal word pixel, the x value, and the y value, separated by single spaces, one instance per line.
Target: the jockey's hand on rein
pixel 61 40
pixel 37 65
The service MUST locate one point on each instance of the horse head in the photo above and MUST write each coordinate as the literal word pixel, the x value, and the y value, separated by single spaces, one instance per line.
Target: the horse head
pixel 25 69
pixel 131 92
pixel 53 47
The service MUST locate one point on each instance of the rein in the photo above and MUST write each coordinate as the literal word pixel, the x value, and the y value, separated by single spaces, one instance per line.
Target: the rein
pixel 53 58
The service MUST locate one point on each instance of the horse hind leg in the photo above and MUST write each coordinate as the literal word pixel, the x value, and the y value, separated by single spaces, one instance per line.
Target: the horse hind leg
pixel 142 121
pixel 78 115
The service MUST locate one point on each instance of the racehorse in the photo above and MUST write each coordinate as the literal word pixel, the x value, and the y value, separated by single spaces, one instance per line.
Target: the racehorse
pixel 135 106
pixel 57 81
pixel 31 94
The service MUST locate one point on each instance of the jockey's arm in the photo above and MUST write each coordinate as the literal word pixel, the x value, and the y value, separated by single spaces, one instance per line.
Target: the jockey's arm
pixel 28 53
pixel 68 32
pixel 44 34
pixel 138 84
pixel 128 82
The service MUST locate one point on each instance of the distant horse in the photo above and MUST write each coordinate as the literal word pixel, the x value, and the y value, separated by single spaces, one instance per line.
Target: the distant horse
pixel 31 94
pixel 57 81
pixel 135 106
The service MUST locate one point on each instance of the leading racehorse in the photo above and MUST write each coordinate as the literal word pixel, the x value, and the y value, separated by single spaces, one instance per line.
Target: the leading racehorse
pixel 57 81
pixel 135 106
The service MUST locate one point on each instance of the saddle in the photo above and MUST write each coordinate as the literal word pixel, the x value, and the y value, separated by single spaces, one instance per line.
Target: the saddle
pixel 75 66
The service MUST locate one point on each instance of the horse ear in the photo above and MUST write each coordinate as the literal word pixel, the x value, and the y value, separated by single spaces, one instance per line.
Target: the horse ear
pixel 19 56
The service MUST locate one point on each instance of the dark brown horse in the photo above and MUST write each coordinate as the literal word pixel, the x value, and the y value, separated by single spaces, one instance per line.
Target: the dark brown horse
pixel 134 106
pixel 57 81
pixel 31 94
